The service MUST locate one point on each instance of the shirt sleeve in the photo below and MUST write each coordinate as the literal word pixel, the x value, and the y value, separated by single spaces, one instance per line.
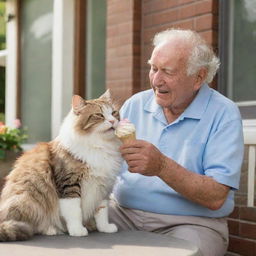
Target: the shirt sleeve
pixel 224 154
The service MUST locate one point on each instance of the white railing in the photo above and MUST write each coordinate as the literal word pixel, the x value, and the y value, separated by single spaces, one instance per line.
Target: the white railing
pixel 250 141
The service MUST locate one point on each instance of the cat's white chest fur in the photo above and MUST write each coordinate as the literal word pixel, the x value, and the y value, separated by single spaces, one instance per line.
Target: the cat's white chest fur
pixel 104 165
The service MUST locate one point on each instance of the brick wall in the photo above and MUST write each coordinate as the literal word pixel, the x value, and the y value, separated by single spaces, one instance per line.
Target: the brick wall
pixel 123 47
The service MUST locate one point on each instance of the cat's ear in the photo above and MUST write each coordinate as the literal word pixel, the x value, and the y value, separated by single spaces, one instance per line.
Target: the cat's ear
pixel 77 103
pixel 106 96
pixel 112 98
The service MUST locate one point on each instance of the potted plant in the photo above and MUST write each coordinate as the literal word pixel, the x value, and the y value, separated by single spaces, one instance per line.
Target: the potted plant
pixel 11 139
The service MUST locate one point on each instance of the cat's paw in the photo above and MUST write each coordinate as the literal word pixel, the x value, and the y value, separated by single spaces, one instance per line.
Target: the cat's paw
pixel 77 231
pixel 108 228
pixel 51 231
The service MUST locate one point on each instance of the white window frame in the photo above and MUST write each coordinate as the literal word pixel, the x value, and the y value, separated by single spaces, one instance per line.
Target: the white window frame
pixel 11 63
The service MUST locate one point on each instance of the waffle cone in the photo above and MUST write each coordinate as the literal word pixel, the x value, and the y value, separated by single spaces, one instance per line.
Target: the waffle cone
pixel 128 137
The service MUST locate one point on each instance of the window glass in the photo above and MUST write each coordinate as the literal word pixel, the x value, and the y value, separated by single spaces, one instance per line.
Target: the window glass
pixel 244 51
pixel 95 50
pixel 237 75
pixel 36 57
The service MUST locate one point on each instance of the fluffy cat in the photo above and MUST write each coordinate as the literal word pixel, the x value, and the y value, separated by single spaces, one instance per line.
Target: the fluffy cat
pixel 58 186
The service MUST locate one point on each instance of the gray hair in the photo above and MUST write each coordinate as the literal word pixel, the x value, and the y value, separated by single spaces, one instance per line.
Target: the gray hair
pixel 202 54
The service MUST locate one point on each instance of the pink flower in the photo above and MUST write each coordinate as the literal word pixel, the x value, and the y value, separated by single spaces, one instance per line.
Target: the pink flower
pixel 17 123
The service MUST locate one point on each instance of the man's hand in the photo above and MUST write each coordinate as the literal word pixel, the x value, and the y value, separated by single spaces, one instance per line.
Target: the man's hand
pixel 142 157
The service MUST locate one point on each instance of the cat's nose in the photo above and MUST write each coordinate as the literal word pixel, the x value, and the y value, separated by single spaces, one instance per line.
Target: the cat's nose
pixel 112 121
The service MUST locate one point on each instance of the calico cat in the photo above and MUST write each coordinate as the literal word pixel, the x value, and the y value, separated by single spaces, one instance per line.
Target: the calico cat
pixel 58 186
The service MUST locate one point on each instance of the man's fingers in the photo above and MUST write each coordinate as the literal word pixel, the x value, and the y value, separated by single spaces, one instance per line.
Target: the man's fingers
pixel 127 151
pixel 133 144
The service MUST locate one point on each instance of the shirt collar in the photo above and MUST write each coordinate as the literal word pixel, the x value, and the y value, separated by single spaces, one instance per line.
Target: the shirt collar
pixel 195 110
pixel 198 106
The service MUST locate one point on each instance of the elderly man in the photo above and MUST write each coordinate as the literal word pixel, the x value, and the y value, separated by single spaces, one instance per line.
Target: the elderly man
pixel 181 172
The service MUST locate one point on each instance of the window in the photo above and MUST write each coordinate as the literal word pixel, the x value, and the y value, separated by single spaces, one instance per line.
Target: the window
pixel 237 77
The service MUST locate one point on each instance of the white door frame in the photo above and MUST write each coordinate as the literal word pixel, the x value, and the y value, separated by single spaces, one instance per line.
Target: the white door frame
pixel 11 63
pixel 62 60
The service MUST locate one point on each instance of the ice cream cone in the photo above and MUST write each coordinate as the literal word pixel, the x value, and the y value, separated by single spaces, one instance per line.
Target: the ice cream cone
pixel 128 137
pixel 125 131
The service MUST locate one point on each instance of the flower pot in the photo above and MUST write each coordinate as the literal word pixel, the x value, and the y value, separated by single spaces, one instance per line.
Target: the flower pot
pixel 7 163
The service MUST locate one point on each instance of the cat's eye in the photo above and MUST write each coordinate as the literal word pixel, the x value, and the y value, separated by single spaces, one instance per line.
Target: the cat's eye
pixel 98 115
pixel 115 113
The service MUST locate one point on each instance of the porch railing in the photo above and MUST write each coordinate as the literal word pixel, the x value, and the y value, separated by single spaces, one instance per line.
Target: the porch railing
pixel 250 141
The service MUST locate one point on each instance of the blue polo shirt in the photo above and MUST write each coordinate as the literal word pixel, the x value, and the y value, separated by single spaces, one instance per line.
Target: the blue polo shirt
pixel 206 139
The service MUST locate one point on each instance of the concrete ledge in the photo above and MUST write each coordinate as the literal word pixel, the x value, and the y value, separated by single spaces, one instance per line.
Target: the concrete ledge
pixel 132 243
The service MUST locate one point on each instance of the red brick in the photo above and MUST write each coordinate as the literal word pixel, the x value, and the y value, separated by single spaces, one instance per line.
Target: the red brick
pixel 247 230
pixel 233 226
pixel 242 246
pixel 204 22
pixel 187 11
pixel 181 2
pixel 203 7
pixel 158 5
pixel 236 213
pixel 160 19
pixel 120 73
pixel 117 6
pixel 210 36
pixel 248 213
pixel 188 24
pixel 122 17
pixel 119 62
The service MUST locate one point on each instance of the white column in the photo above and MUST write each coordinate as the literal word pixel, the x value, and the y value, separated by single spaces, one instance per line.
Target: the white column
pixel 62 61
pixel 11 64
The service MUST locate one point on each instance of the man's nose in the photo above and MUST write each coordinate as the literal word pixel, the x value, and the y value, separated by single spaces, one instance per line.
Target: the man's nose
pixel 157 79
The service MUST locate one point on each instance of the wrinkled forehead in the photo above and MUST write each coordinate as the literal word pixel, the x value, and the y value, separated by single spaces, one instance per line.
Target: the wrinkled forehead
pixel 173 50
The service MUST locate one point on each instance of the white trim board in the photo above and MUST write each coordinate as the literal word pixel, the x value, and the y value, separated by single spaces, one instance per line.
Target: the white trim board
pixel 62 60
pixel 249 129
pixel 11 64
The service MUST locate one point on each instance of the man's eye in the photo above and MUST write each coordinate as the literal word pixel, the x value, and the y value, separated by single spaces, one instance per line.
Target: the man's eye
pixel 154 69
pixel 168 72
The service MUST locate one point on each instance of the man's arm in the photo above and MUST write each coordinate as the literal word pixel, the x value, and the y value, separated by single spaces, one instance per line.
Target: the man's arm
pixel 144 158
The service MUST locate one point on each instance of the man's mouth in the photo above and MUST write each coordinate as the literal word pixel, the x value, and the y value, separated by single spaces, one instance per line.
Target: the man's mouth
pixel 161 91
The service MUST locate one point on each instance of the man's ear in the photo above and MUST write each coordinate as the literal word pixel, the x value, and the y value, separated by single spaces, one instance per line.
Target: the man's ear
pixel 200 77
pixel 77 104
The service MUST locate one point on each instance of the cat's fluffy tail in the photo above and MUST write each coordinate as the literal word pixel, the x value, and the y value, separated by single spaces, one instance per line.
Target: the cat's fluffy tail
pixel 12 230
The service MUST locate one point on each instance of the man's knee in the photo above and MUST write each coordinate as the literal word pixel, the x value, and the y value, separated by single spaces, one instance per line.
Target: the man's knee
pixel 209 242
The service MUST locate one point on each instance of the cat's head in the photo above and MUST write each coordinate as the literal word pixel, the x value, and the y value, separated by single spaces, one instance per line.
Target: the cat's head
pixel 95 116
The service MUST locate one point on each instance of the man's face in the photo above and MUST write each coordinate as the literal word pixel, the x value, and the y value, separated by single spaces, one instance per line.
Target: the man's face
pixel 173 88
